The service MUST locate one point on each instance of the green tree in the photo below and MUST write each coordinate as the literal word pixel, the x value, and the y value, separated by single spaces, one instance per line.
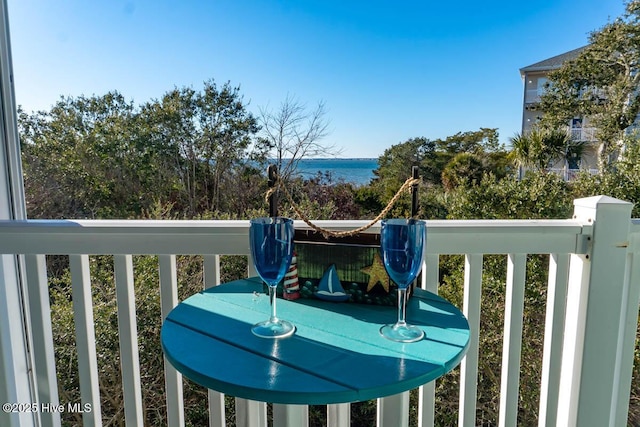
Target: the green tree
pixel 101 157
pixel 536 196
pixel 210 135
pixel 394 166
pixel 432 157
pixel 622 182
pixel 540 148
pixel 78 158
pixel 464 169
pixel 483 143
pixel 600 83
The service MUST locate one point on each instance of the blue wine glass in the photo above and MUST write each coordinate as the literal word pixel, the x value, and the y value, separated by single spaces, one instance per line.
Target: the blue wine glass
pixel 271 241
pixel 402 245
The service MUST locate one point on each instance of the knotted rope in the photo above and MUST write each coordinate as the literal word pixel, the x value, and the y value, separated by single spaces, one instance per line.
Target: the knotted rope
pixel 333 233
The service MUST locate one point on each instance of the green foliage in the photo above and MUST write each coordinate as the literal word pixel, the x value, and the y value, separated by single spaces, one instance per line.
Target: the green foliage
pixel 210 134
pixel 465 169
pixel 601 83
pixel 394 166
pixel 101 157
pixel 367 199
pixel 621 181
pixel 432 157
pixel 540 148
pixel 432 203
pixel 535 196
pixel 74 160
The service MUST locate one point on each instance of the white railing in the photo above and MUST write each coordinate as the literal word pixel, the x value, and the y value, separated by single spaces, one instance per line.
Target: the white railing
pixel 532 96
pixel 588 348
pixel 571 174
pixel 583 134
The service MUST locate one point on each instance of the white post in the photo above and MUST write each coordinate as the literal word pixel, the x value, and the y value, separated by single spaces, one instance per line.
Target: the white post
pixel 632 279
pixel 469 365
pixel 553 336
pixel 211 277
pixel 172 378
pixel 250 413
pixel 16 381
pixel 290 415
pixel 597 297
pixel 339 415
pixel 393 411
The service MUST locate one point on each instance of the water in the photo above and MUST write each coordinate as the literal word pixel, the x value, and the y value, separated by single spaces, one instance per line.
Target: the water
pixel 354 171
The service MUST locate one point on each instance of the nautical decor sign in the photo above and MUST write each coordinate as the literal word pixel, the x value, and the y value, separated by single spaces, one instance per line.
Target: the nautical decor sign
pixel 338 269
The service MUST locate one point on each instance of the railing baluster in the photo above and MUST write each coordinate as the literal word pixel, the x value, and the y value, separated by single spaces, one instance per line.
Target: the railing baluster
pixel 632 278
pixel 128 333
pixel 211 270
pixel 554 328
pixel 469 365
pixel 172 378
pixel 251 267
pixel 393 411
pixel 290 415
pixel 512 343
pixel 43 353
pixel 427 392
pixel 339 415
pixel 85 339
pixel 250 413
pixel 217 410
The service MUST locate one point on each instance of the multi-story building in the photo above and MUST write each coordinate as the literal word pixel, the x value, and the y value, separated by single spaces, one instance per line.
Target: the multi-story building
pixel 535 83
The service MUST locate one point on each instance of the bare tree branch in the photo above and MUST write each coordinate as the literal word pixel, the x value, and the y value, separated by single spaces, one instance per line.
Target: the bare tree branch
pixel 294 132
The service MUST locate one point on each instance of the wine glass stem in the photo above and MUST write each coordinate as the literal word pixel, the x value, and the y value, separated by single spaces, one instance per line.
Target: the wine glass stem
pixel 402 306
pixel 272 303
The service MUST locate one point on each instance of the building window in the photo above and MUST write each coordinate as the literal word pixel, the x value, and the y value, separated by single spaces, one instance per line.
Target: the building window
pixel 576 123
pixel 542 85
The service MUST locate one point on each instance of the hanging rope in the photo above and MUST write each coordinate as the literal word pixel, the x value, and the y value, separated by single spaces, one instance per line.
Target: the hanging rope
pixel 333 233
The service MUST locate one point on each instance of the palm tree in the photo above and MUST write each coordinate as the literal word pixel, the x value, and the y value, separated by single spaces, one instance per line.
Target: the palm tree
pixel 539 148
pixel 521 152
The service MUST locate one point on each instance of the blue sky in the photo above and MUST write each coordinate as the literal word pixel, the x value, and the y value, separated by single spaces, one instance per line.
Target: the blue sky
pixel 387 71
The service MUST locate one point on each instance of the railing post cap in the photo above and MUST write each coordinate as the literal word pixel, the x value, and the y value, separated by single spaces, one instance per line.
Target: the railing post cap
pixel 594 201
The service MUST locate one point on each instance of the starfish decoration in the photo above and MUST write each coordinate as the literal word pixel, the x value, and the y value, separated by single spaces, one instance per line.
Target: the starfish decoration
pixel 377 274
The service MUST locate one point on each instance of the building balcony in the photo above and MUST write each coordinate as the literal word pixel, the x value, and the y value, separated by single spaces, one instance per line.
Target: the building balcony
pixel 532 97
pixel 586 134
pixel 589 331
pixel 570 174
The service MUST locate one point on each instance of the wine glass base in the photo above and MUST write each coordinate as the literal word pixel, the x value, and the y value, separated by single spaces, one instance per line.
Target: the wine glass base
pixel 402 333
pixel 273 329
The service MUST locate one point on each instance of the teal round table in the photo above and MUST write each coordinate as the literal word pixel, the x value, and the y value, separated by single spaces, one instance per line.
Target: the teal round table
pixel 336 355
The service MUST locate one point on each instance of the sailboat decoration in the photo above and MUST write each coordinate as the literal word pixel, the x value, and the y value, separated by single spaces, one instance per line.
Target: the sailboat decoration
pixel 330 288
